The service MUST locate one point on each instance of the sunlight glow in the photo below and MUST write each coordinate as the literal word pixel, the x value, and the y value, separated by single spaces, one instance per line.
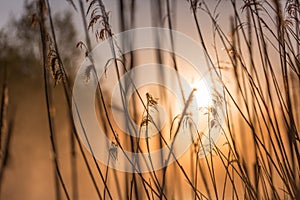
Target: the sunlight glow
pixel 202 94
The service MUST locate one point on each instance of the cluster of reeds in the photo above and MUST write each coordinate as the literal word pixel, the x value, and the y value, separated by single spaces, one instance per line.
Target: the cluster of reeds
pixel 259 157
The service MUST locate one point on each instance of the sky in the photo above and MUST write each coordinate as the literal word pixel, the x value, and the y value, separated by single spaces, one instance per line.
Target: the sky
pixel 14 8
pixel 8 9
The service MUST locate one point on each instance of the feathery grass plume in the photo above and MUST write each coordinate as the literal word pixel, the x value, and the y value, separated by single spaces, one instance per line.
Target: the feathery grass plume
pixel 41 9
pixel 99 16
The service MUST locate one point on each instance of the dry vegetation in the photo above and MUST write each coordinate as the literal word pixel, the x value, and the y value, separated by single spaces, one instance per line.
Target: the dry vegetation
pixel 259 154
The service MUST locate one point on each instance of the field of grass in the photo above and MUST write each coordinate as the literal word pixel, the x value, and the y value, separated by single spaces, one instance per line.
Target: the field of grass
pixel 245 144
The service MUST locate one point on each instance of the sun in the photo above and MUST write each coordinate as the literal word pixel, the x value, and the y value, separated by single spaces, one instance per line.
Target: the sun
pixel 202 93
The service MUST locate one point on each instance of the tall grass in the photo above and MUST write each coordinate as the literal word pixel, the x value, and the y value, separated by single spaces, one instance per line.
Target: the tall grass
pixel 256 58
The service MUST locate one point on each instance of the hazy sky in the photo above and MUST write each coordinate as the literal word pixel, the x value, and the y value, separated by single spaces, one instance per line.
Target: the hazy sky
pixel 8 9
pixel 13 8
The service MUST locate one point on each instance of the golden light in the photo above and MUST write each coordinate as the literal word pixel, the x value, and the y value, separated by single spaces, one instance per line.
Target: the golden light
pixel 202 93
